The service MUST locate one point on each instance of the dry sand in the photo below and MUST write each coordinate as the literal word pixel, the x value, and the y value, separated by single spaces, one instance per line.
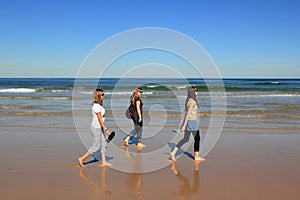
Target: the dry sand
pixel 42 164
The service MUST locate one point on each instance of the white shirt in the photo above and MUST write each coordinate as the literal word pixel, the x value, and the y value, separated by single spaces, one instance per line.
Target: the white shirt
pixel 96 108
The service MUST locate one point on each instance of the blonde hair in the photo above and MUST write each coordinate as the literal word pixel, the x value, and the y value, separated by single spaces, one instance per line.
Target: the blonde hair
pixel 97 96
pixel 135 94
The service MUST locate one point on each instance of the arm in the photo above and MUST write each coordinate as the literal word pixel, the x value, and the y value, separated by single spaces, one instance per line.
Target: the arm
pixel 138 109
pixel 183 126
pixel 102 123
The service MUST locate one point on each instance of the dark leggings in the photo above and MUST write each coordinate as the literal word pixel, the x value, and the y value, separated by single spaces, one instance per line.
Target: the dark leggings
pixel 186 138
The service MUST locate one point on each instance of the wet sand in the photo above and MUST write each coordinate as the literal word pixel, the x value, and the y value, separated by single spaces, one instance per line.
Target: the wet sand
pixel 42 164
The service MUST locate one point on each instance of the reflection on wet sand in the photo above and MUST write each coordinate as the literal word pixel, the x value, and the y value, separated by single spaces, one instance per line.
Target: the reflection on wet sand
pixel 187 190
pixel 134 180
pixel 132 185
pixel 99 189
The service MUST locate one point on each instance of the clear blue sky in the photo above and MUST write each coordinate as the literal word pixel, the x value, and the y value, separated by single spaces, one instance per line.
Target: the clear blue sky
pixel 256 38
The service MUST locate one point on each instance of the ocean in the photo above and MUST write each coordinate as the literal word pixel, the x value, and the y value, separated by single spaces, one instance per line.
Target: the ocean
pixel 261 106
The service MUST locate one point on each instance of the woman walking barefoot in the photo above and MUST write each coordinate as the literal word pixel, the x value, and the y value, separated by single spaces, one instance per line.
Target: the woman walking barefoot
pixel 189 124
pixel 137 118
pixel 98 129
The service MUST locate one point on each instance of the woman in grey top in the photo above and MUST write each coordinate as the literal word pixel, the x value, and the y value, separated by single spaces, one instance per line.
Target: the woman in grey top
pixel 189 124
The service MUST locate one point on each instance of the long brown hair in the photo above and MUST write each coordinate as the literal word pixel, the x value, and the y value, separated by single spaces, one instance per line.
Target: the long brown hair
pixel 97 96
pixel 191 95
pixel 135 94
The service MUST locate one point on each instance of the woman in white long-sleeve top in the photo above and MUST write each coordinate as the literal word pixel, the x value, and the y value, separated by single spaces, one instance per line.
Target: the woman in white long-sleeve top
pixel 98 129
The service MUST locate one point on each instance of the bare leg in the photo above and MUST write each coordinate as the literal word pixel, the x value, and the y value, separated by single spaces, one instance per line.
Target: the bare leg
pixel 126 140
pixel 173 153
pixel 104 163
pixel 82 158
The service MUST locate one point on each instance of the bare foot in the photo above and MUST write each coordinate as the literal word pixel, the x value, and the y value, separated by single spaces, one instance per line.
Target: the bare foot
pixel 105 164
pixel 140 144
pixel 199 159
pixel 80 162
pixel 172 157
pixel 126 142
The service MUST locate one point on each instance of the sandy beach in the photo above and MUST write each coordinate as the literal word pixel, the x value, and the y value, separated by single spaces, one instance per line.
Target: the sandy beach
pixel 256 157
pixel 227 71
pixel 42 165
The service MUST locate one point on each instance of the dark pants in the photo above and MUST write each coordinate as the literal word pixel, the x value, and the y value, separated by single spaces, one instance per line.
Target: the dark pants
pixel 186 138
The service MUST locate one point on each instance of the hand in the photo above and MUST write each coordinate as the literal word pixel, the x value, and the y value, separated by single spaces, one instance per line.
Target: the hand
pixel 140 119
pixel 107 132
pixel 182 128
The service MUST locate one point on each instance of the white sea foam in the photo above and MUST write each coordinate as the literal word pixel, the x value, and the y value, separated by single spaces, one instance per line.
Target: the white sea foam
pixel 29 90
pixel 181 87
pixel 59 90
pixel 56 98
pixel 152 86
pixel 18 90
pixel 86 92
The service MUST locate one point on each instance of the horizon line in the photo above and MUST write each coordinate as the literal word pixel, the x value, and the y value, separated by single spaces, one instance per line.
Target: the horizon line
pixel 148 78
